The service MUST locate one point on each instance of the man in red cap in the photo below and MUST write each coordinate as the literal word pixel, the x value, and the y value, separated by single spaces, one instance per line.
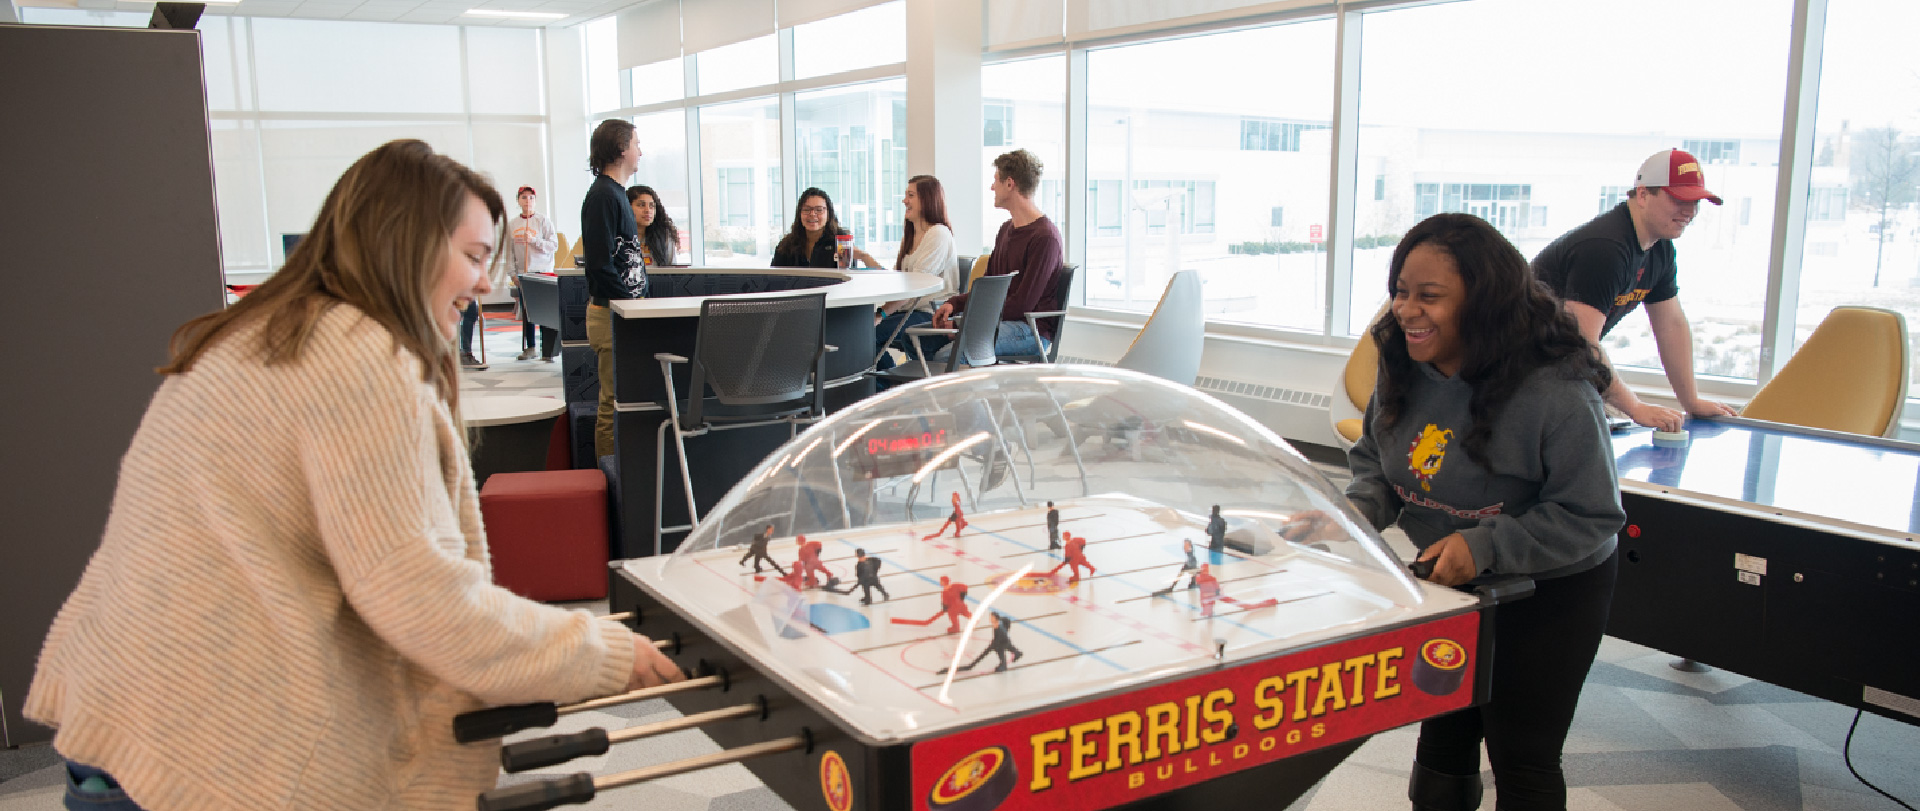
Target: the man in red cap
pixel 1606 268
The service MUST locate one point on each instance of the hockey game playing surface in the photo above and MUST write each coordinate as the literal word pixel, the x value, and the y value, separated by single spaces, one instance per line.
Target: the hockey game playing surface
pixel 1134 618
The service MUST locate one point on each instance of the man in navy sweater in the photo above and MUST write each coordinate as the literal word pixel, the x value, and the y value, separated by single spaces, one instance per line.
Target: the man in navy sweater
pixel 616 268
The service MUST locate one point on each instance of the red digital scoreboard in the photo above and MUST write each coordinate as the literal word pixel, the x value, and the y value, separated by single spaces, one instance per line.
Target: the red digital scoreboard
pixel 900 446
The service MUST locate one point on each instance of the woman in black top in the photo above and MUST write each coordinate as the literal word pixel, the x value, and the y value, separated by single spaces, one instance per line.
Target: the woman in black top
pixel 658 237
pixel 810 243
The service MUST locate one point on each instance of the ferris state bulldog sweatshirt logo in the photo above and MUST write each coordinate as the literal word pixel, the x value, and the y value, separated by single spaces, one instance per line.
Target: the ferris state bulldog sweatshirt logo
pixel 1428 451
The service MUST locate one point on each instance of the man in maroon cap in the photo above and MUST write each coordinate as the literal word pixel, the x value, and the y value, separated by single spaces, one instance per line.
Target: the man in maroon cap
pixel 1606 268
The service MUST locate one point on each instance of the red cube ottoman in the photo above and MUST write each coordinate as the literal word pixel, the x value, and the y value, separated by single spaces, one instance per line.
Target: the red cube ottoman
pixel 547 531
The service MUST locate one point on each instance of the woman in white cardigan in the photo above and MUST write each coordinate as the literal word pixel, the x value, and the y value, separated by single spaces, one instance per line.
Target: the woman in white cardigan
pixel 293 597
pixel 926 248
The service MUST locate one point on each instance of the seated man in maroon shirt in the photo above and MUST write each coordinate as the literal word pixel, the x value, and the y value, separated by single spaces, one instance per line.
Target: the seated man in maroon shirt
pixel 1028 245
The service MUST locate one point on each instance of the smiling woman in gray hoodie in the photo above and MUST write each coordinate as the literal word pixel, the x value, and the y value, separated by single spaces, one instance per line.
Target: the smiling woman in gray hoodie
pixel 1486 442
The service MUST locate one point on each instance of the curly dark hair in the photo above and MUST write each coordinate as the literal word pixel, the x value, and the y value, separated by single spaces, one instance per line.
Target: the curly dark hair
pixel 796 238
pixel 662 239
pixel 609 140
pixel 1510 325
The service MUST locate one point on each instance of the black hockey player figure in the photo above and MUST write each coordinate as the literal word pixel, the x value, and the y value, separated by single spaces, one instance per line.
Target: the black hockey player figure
pixel 1216 532
pixel 1053 528
pixel 1001 644
pixel 866 577
pixel 757 551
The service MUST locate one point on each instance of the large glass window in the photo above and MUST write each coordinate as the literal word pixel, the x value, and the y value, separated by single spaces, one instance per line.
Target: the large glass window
pixel 603 65
pixel 665 80
pixel 1534 170
pixel 1024 107
pixel 1188 171
pixel 743 64
pixel 740 182
pixel 853 146
pixel 876 35
pixel 663 167
pixel 1863 229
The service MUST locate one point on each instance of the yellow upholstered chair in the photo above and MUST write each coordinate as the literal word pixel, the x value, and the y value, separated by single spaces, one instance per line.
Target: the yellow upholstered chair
pixel 1850 375
pixel 1355 386
pixel 979 269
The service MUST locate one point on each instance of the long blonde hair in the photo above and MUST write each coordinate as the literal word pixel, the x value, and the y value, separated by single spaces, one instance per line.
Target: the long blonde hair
pixel 379 244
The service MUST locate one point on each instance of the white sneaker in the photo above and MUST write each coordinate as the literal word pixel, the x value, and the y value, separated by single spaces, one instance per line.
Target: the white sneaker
pixel 525 354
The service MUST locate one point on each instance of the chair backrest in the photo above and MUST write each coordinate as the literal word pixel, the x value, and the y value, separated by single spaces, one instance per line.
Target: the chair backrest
pixel 1169 345
pixel 974 343
pixel 979 270
pixel 1363 366
pixel 962 274
pixel 1850 375
pixel 754 351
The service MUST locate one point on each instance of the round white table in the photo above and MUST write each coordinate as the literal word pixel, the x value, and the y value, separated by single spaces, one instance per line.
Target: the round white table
pixel 513 431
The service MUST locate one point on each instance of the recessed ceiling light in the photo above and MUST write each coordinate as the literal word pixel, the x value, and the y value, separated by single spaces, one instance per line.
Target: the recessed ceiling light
pixel 518 15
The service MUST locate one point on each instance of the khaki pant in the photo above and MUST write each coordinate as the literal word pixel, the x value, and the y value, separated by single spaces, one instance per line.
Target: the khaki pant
pixel 600 337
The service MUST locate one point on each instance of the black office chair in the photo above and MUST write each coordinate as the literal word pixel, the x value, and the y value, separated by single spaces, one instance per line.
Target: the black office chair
pixel 763 358
pixel 972 340
pixel 1062 291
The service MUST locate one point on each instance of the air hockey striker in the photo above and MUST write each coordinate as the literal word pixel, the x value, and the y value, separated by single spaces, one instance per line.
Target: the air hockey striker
pixel 996 668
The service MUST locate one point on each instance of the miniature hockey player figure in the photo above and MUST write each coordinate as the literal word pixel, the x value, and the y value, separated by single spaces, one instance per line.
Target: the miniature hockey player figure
pixel 1209 589
pixel 1076 557
pixel 1191 565
pixel 866 577
pixel 957 520
pixel 757 551
pixel 953 606
pixel 792 577
pixel 1216 532
pixel 810 563
pixel 1001 644
pixel 1053 528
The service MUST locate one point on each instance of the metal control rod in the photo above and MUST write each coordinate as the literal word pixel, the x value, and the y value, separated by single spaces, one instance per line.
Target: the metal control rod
pixel 557 749
pixel 620 617
pixel 499 722
pixel 581 787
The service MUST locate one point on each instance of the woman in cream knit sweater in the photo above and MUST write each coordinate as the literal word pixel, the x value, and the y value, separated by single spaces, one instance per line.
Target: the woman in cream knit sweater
pixel 292 598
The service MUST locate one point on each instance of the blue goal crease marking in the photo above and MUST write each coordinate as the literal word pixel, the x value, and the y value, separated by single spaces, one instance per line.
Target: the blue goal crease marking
pixel 1034 628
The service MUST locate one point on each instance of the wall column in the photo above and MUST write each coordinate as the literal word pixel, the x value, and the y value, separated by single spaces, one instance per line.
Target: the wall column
pixel 943 109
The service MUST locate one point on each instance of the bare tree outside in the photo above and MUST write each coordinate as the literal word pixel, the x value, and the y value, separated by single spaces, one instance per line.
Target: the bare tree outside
pixel 1885 170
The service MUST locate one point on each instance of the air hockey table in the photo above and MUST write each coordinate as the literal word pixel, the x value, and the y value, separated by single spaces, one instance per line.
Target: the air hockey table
pixel 989 672
pixel 1786 554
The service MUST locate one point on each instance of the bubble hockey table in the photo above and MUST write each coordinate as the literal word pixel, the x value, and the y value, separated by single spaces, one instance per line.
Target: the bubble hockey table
pixel 1049 733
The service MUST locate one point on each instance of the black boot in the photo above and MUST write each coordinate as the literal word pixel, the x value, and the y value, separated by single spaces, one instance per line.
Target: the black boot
pixel 1433 791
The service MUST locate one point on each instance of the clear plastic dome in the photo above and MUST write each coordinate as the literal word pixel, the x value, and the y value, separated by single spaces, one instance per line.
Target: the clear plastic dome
pixel 1134 467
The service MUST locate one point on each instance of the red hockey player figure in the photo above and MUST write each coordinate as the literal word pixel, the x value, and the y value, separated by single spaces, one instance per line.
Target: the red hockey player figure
pixel 810 563
pixel 1076 556
pixel 1209 588
pixel 953 606
pixel 792 576
pixel 957 520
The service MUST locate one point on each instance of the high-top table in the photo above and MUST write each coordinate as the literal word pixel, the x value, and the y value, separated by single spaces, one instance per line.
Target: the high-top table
pixel 668 321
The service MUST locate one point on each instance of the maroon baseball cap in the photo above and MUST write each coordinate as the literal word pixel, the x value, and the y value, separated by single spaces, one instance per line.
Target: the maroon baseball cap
pixel 1678 172
pixel 526 190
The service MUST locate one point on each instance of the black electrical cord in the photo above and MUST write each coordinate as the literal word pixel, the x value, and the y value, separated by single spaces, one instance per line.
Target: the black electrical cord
pixel 1846 753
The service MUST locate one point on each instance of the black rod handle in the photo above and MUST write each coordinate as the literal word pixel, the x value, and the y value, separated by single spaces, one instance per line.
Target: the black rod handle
pixel 499 722
pixel 540 794
pixel 552 750
pixel 1421 569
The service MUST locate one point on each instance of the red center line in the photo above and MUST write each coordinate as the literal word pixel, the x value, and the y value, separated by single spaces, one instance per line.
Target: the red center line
pixel 1096 609
pixel 849 651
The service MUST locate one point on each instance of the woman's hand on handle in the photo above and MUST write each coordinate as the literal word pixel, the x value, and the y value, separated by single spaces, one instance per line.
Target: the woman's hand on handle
pixel 651 668
pixel 1452 561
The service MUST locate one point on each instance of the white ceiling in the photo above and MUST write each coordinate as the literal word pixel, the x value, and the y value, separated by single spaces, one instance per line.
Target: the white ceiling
pixel 445 12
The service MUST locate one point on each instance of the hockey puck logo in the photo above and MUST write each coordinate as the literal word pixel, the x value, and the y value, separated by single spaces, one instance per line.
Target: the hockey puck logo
pixel 979 782
pixel 835 784
pixel 1040 583
pixel 1440 668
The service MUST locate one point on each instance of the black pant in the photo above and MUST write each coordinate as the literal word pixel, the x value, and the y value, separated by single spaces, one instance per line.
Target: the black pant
pixel 866 591
pixel 548 337
pixel 1543 647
